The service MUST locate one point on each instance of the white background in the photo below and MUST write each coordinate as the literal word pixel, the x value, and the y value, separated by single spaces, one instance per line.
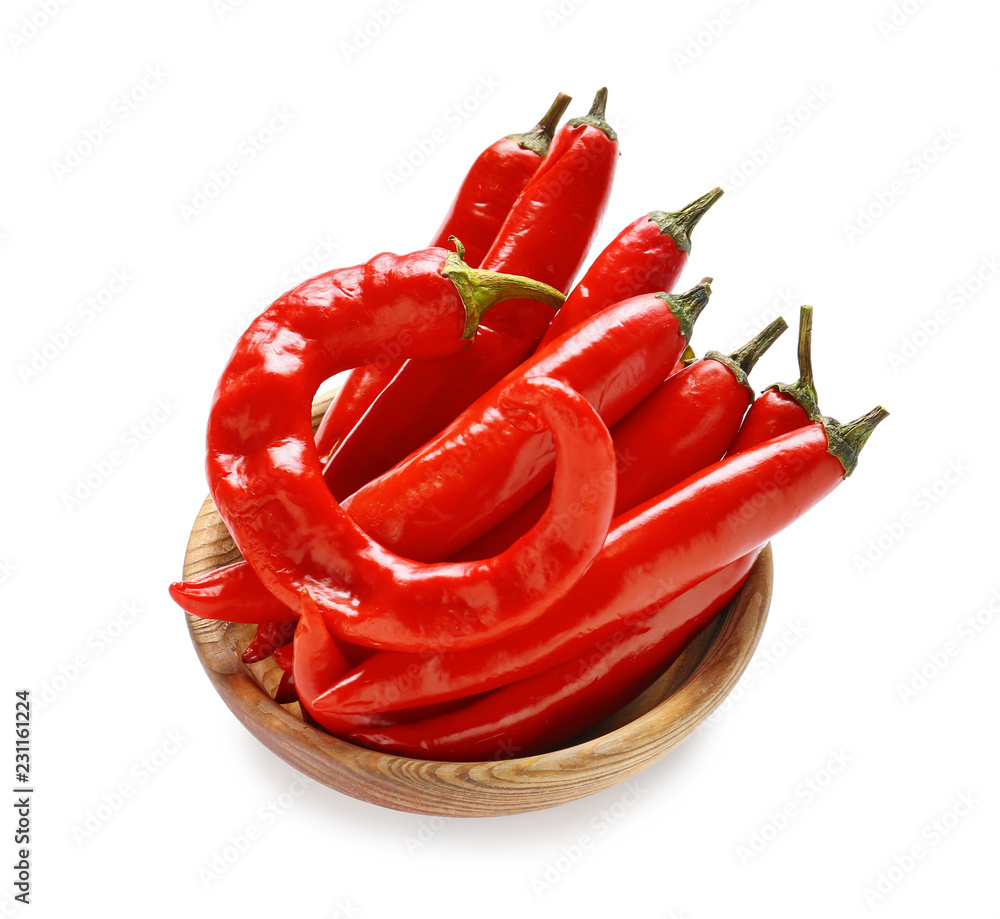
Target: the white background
pixel 858 145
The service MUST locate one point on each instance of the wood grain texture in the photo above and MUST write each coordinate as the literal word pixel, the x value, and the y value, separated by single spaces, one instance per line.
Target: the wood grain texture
pixel 639 735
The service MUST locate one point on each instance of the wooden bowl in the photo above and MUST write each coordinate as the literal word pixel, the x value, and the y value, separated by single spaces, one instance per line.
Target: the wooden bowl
pixel 634 738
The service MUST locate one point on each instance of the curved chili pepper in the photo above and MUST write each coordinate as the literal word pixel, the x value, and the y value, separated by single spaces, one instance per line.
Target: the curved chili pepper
pixel 652 554
pixel 484 199
pixel 782 408
pixel 540 712
pixel 687 423
pixel 476 472
pixel 260 429
pixel 645 257
pixel 547 235
pixel 264 477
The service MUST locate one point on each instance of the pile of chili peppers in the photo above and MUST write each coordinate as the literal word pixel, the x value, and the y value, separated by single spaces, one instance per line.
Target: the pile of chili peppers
pixel 509 528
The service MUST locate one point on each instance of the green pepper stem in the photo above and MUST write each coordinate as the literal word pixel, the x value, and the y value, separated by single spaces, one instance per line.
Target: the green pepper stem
pixel 480 289
pixel 846 440
pixel 540 136
pixel 679 224
pixel 741 362
pixel 803 390
pixel 599 104
pixel 595 117
pixel 687 307
pixel 751 352
pixel 857 432
pixel 806 383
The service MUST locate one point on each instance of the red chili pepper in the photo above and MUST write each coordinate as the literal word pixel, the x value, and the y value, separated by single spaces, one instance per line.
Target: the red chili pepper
pixel 473 475
pixel 360 388
pixel 264 477
pixel 493 184
pixel 484 199
pixel 316 660
pixel 269 637
pixel 317 663
pixel 233 593
pixel 285 694
pixel 782 408
pixel 652 554
pixel 647 256
pixel 538 713
pixel 283 657
pixel 687 423
pixel 260 431
pixel 547 235
pixel 550 229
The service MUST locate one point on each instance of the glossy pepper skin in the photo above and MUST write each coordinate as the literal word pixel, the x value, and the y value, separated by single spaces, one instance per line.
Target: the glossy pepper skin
pixel 481 205
pixel 547 235
pixel 270 636
pixel 540 712
pixel 443 496
pixel 647 256
pixel 317 662
pixel 652 554
pixel 233 593
pixel 550 229
pixel 683 426
pixel 359 389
